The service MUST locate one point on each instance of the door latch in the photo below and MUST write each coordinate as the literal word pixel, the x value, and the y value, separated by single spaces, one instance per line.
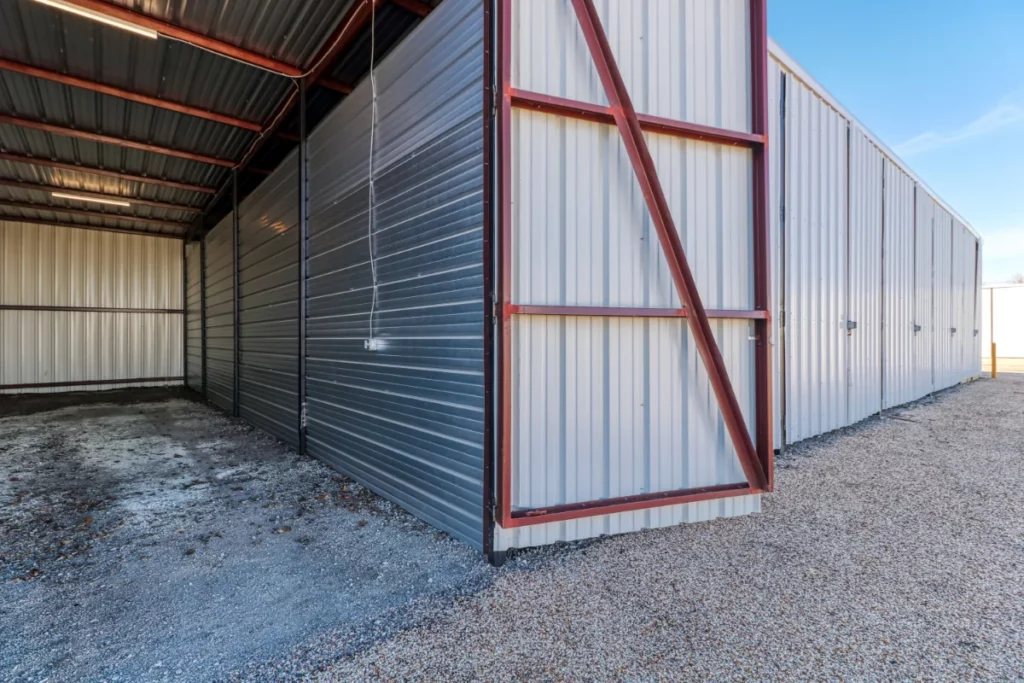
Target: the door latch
pixel 952 330
pixel 851 324
pixel 917 328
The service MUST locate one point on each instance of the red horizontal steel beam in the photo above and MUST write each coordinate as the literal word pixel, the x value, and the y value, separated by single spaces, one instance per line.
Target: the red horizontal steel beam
pixel 89 383
pixel 336 86
pixel 95 170
pixel 111 140
pixel 27 206
pixel 206 42
pixel 560 106
pixel 626 312
pixel 76 226
pixel 120 93
pixel 17 184
pixel 627 122
pixel 609 506
pixel 417 7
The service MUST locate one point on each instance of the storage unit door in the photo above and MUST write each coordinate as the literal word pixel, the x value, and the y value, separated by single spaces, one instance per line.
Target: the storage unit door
pixel 864 376
pixel 898 289
pixel 220 314
pixel 268 304
pixel 815 279
pixel 924 322
pixel 943 293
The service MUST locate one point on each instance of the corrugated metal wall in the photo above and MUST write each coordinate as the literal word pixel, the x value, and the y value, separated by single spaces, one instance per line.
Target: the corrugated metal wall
pixel 608 407
pixel 864 242
pixel 220 312
pixel 924 305
pixel 45 266
pixel 269 304
pixel 194 315
pixel 776 209
pixel 898 288
pixel 406 420
pixel 815 315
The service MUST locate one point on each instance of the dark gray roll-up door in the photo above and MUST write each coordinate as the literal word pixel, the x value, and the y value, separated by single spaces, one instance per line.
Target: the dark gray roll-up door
pixel 407 419
pixel 220 312
pixel 194 316
pixel 269 304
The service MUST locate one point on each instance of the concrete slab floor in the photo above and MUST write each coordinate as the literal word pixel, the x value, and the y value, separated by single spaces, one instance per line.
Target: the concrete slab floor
pixel 166 541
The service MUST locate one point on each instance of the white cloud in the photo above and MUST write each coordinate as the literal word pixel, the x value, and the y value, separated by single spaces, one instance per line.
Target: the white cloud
pixel 998 117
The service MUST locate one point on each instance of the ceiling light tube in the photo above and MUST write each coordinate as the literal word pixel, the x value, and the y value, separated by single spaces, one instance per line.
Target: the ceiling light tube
pixel 80 198
pixel 100 17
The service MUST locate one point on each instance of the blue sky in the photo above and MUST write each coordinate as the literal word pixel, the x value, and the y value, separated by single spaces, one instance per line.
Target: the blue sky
pixel 939 81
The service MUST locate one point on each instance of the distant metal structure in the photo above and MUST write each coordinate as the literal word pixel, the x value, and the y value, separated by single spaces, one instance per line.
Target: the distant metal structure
pixel 1002 308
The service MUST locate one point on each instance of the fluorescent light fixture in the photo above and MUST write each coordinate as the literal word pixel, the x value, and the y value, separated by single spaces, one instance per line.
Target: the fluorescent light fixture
pixel 100 17
pixel 80 198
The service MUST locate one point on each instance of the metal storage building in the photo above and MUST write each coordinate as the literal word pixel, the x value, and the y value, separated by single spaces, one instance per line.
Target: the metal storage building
pixel 559 268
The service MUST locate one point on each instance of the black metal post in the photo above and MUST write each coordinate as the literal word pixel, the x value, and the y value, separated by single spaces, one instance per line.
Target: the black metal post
pixel 184 310
pixel 234 267
pixel 202 305
pixel 303 246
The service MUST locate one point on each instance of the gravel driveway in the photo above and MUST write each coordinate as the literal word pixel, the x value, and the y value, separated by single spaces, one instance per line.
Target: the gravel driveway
pixel 893 550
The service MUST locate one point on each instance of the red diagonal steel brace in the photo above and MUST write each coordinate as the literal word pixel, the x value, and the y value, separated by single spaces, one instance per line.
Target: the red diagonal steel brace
pixel 647 175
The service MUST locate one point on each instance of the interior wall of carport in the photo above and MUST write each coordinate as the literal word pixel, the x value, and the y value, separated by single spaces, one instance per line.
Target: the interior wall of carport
pixel 406 419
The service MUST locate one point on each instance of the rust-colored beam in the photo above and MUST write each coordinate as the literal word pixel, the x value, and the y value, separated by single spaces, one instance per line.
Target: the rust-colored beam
pixel 336 86
pixel 103 89
pixel 417 7
pixel 171 31
pixel 76 226
pixel 112 140
pixel 654 196
pixel 18 184
pixel 85 213
pixel 96 170
pixel 560 106
pixel 627 312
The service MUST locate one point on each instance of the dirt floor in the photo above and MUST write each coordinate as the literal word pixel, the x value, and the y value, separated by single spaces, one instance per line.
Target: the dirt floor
pixel 164 541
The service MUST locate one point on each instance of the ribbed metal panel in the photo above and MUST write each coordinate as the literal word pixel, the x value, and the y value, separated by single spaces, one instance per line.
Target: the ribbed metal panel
pixel 942 300
pixel 898 304
pixel 194 315
pixel 924 284
pixel 220 307
pixel 268 304
pixel 965 361
pixel 63 267
pixel 686 60
pixel 406 420
pixel 776 99
pixel 864 375
pixel 816 187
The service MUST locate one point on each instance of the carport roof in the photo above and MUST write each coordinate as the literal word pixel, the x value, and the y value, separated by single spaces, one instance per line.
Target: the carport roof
pixel 92 109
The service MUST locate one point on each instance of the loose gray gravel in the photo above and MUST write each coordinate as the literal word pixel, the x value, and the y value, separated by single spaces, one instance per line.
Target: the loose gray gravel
pixel 893 550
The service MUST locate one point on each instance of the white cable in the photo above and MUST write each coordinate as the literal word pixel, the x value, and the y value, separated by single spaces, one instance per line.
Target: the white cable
pixel 373 130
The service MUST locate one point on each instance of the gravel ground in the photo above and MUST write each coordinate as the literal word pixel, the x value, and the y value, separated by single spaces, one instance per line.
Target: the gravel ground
pixel 891 550
pixel 161 540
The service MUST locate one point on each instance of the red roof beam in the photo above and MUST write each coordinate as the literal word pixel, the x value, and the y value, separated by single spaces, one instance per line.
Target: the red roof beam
pixel 112 140
pixel 85 213
pixel 103 89
pixel 48 189
pixel 76 226
pixel 96 170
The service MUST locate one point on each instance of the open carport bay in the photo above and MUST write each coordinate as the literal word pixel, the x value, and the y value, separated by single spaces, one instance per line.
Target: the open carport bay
pixel 892 550
pixel 161 539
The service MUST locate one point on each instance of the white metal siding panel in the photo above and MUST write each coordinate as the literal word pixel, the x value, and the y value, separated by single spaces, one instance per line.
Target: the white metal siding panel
pixel 220 314
pixel 943 300
pixel 194 315
pixel 898 304
pixel 965 302
pixel 406 420
pixel 815 284
pixel 268 304
pixel 55 266
pixel 686 60
pixel 865 280
pixel 924 307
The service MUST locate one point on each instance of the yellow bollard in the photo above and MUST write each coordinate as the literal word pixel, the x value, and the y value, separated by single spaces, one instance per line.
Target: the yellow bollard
pixel 993 360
